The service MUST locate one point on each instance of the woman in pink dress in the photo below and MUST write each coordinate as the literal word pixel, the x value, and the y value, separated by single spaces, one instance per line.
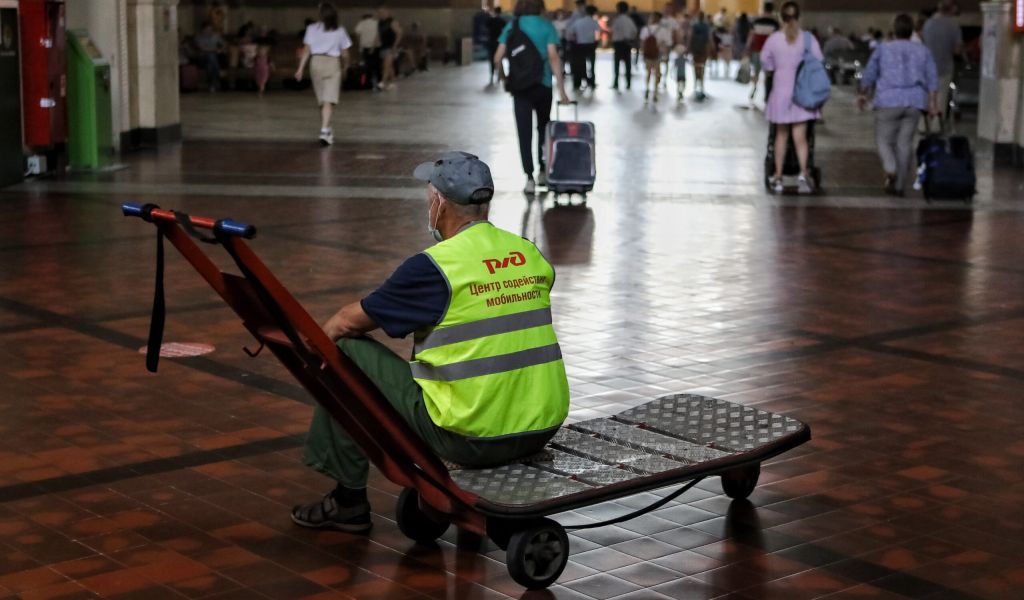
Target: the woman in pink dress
pixel 781 56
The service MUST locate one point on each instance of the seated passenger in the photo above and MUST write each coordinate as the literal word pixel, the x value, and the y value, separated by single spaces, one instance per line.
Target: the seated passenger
pixel 486 383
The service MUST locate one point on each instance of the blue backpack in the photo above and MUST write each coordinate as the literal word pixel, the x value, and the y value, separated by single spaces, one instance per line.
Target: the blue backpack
pixel 813 87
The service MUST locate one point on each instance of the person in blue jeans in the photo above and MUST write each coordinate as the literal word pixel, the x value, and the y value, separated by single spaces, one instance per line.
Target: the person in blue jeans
pixel 537 98
pixel 906 85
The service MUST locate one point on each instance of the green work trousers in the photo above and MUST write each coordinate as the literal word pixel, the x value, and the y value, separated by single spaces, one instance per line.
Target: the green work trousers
pixel 332 452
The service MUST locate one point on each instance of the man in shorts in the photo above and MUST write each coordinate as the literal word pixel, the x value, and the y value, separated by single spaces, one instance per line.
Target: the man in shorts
pixel 761 28
pixel 701 47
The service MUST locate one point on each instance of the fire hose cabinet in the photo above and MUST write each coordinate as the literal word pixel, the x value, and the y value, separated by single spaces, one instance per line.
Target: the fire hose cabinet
pixel 43 64
pixel 90 138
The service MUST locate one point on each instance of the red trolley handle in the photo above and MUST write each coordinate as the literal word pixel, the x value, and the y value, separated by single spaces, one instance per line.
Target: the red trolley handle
pixel 151 212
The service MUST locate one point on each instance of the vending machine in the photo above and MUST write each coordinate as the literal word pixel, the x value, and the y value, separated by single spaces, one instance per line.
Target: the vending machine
pixel 12 163
pixel 44 79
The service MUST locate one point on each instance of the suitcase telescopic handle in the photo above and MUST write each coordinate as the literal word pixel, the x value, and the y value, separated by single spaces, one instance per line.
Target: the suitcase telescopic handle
pixel 575 106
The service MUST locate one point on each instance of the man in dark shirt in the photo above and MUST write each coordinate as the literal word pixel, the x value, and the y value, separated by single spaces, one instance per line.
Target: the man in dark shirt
pixel 495 25
pixel 439 295
pixel 761 28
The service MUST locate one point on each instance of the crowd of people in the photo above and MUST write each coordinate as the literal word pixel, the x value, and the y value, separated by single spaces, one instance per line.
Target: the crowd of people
pixel 252 56
pixel 677 38
pixel 907 76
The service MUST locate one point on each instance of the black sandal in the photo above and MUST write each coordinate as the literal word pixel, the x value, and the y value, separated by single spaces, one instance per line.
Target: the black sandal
pixel 328 514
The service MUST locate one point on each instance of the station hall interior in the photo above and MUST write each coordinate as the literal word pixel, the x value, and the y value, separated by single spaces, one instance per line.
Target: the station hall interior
pixel 836 376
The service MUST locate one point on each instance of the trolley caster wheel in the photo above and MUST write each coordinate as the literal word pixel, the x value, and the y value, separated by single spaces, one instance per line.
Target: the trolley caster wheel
pixel 537 554
pixel 413 522
pixel 740 483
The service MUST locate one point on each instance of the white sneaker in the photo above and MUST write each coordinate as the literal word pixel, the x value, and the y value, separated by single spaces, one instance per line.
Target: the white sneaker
pixel 542 179
pixel 803 186
pixel 326 137
pixel 777 186
pixel 531 186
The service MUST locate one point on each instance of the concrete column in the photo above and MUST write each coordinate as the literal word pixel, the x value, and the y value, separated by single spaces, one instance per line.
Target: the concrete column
pixel 153 72
pixel 1001 106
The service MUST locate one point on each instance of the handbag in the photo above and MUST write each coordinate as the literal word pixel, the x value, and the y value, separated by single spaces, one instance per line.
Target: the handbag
pixel 813 86
pixel 743 75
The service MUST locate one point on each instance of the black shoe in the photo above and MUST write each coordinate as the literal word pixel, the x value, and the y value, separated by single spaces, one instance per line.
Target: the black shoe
pixel 329 513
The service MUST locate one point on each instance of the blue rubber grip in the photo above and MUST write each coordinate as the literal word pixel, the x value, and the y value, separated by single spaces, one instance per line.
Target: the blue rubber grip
pixel 130 209
pixel 235 228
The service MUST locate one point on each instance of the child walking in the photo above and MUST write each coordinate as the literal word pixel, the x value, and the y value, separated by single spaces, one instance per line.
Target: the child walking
pixel 680 72
pixel 262 68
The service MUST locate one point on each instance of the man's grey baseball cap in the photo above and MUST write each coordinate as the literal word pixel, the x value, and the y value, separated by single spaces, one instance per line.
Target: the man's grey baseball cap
pixel 459 176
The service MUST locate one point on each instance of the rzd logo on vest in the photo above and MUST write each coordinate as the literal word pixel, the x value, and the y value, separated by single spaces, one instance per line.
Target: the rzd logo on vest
pixel 515 259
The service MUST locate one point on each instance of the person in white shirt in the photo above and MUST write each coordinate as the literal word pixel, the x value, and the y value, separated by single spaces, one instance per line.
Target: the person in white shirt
pixel 369 46
pixel 670 21
pixel 325 48
pixel 655 43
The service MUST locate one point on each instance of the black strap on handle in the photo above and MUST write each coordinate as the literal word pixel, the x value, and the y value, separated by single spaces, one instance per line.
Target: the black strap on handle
pixel 186 223
pixel 159 313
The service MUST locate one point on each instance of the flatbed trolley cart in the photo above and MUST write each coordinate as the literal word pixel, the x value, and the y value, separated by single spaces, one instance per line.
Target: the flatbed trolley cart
pixel 678 439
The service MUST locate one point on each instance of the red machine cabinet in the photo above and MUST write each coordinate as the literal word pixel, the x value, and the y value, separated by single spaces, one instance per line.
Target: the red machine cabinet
pixel 1018 16
pixel 43 67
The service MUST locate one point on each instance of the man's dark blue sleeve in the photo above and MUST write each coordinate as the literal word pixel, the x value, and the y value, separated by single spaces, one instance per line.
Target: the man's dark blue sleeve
pixel 415 296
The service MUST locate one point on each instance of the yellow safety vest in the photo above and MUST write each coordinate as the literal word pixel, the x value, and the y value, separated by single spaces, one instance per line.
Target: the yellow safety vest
pixel 492 366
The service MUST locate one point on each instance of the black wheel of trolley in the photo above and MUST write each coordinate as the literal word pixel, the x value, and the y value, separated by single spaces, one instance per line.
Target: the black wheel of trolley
pixel 740 483
pixel 413 522
pixel 537 554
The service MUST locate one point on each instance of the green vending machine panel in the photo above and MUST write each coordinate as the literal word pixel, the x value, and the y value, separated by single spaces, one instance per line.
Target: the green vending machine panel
pixel 90 138
pixel 12 162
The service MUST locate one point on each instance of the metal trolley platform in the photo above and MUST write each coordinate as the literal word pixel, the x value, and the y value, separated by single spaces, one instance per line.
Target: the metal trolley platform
pixel 678 439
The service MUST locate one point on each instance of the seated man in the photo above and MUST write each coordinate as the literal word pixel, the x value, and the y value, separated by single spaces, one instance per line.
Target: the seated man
pixel 486 383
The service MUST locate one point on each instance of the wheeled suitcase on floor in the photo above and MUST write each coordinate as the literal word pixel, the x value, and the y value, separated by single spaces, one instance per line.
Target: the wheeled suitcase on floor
pixel 569 155
pixel 357 78
pixel 946 168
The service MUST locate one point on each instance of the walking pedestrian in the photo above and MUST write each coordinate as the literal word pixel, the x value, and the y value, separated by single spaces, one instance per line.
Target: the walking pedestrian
pixel 583 32
pixel 655 42
pixel 762 27
pixel 325 48
pixel 781 57
pixel 390 33
pixel 368 34
pixel 905 81
pixel 702 46
pixel 941 34
pixel 624 34
pixel 533 96
pixel 495 25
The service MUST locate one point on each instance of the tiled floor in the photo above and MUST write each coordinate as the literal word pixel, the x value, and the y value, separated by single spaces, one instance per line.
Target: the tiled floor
pixel 891 328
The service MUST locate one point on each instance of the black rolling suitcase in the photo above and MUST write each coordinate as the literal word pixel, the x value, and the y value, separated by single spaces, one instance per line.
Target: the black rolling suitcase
pixel 357 77
pixel 946 168
pixel 569 155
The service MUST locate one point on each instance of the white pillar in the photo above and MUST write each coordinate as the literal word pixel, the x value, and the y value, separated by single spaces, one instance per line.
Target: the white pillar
pixel 153 67
pixel 1001 107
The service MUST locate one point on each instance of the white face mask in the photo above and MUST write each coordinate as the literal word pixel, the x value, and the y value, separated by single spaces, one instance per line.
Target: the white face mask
pixel 432 227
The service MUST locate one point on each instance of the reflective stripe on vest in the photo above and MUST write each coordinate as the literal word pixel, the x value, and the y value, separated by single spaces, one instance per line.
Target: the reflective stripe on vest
pixel 487 366
pixel 486 327
pixel 492 366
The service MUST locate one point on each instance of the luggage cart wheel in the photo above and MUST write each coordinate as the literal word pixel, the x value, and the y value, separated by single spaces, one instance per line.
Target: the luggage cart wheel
pixel 413 522
pixel 537 554
pixel 740 483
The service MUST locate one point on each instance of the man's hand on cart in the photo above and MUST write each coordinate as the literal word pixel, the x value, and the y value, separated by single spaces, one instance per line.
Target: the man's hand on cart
pixel 350 321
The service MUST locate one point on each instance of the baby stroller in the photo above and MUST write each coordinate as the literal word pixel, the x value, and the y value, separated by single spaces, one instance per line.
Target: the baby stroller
pixel 791 166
